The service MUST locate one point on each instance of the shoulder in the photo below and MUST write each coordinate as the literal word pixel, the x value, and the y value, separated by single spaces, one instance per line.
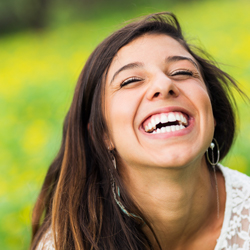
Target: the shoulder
pixel 235 233
pixel 237 187
pixel 47 241
pixel 235 178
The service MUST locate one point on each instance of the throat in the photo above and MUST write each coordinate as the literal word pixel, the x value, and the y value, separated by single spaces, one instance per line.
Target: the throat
pixel 189 212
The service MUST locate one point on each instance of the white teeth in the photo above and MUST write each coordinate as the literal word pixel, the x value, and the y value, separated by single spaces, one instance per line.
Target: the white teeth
pixel 164 118
pixel 173 128
pixel 157 120
pixel 150 126
pixel 171 117
pixel 184 120
pixel 153 122
pixel 168 129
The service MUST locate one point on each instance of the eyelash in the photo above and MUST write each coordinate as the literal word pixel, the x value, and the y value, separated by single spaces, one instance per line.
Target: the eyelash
pixel 183 72
pixel 175 73
pixel 130 80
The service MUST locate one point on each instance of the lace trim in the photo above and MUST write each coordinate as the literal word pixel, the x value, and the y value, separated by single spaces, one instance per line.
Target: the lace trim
pixel 47 241
pixel 235 233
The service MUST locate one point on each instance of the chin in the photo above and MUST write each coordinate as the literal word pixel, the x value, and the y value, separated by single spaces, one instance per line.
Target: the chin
pixel 177 160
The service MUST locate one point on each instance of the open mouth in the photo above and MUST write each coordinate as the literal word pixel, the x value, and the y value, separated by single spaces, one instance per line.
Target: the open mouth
pixel 166 122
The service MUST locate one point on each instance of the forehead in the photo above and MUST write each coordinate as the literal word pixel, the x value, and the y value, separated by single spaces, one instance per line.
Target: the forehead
pixel 148 48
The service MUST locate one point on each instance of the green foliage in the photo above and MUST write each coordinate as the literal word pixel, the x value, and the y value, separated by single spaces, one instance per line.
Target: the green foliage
pixel 38 72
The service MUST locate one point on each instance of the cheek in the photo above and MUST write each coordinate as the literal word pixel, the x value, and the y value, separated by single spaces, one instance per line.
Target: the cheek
pixel 206 113
pixel 121 109
pixel 199 96
pixel 206 108
pixel 116 112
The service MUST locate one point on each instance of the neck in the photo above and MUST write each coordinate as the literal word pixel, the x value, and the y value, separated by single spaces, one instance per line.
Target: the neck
pixel 178 203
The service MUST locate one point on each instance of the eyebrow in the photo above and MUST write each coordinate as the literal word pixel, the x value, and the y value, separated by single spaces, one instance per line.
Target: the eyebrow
pixel 140 64
pixel 127 67
pixel 181 58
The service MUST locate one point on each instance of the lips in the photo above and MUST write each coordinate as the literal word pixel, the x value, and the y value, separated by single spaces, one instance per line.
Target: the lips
pixel 164 122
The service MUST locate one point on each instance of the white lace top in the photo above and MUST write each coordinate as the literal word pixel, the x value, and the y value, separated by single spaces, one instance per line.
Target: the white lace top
pixel 235 232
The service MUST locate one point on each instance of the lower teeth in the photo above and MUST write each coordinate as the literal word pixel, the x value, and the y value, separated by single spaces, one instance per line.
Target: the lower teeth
pixel 168 129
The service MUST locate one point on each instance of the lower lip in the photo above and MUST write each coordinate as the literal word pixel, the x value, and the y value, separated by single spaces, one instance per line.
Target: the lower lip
pixel 176 133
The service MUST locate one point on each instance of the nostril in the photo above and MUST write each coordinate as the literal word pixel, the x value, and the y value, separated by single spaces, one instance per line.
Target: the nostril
pixel 157 94
pixel 171 92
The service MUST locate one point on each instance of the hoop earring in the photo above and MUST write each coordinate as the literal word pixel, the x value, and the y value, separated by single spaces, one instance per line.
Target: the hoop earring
pixel 212 145
pixel 213 164
pixel 114 188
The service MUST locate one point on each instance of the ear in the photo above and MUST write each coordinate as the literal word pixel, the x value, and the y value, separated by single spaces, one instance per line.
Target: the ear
pixel 108 142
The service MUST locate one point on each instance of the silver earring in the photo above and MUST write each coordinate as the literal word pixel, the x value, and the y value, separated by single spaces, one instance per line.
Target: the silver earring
pixel 212 146
pixel 114 188
pixel 113 185
pixel 213 164
pixel 113 159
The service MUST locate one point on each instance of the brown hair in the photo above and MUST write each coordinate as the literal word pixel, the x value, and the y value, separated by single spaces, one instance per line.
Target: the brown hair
pixel 76 197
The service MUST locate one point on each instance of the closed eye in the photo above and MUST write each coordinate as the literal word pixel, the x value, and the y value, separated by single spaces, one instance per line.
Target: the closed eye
pixel 182 72
pixel 130 80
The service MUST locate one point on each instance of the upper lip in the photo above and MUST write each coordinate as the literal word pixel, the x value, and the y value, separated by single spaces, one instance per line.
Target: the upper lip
pixel 167 110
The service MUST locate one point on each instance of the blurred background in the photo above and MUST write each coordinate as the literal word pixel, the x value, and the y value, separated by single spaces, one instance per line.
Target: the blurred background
pixel 43 47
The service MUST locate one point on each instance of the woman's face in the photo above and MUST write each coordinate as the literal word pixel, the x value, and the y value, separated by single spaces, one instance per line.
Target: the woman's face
pixel 157 107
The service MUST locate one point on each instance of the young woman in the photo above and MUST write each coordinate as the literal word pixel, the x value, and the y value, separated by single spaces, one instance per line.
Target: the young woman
pixel 138 167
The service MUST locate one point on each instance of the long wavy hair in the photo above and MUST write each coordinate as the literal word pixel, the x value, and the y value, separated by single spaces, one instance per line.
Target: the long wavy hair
pixel 76 200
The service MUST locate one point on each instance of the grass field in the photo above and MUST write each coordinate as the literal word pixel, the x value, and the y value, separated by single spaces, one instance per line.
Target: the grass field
pixel 38 72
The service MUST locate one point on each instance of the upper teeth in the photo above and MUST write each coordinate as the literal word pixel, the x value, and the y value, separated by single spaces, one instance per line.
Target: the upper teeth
pixel 164 118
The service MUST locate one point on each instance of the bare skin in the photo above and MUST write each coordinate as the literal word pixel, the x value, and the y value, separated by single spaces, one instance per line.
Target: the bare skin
pixel 184 216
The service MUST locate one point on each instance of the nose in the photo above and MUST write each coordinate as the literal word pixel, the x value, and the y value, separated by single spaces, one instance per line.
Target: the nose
pixel 162 87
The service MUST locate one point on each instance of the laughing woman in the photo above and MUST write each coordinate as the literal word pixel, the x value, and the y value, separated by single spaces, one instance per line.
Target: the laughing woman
pixel 138 167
